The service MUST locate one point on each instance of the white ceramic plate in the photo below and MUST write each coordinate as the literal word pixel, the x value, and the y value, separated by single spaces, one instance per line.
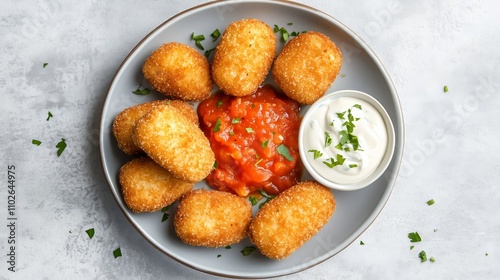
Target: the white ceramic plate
pixel 361 70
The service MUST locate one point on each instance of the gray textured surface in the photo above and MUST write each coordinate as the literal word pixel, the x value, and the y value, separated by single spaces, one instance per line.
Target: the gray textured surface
pixel 451 139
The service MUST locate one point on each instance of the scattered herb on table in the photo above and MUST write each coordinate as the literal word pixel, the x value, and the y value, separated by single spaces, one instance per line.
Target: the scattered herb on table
pixel 445 88
pixel 430 202
pixel 361 243
pixel 36 142
pixel 411 247
pixel 164 217
pixel 90 232
pixel 218 256
pixel 423 256
pixel 45 65
pixel 227 247
pixel 414 237
pixel 117 252
pixel 49 115
pixel 61 146
pixel 432 259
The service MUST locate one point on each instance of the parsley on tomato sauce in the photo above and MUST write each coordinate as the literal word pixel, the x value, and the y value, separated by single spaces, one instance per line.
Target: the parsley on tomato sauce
pixel 244 164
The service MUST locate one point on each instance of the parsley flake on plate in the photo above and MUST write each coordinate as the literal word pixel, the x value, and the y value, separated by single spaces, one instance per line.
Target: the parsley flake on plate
pixel 283 150
pixel 36 142
pixel 248 250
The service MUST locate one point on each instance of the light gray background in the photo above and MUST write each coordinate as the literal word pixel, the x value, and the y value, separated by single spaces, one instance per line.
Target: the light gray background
pixel 451 153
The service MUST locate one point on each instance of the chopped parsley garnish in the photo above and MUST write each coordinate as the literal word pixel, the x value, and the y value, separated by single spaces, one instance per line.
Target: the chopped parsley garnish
pixel 218 256
pixel 285 35
pixel 49 115
pixel 267 196
pixel 198 39
pixel 253 200
pixel 423 256
pixel 164 217
pixel 217 125
pixel 328 139
pixel 430 202
pixel 411 247
pixel 264 144
pixel 117 252
pixel 248 250
pixel 215 165
pixel 219 103
pixel 353 165
pixel 61 146
pixel 45 65
pixel 340 160
pixel 317 154
pixel 414 237
pixel 236 120
pixel 36 142
pixel 231 133
pixel 361 243
pixel 341 115
pixel 208 52
pixel 486 254
pixel 283 150
pixel 227 247
pixel 141 91
pixel 445 88
pixel 357 106
pixel 90 232
pixel 432 259
pixel 215 35
pixel 249 129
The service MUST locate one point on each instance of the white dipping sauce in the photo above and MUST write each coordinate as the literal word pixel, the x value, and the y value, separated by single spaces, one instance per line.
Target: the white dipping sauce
pixel 370 130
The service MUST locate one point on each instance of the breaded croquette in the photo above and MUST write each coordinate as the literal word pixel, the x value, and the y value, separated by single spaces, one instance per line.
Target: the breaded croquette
pixel 243 57
pixel 288 221
pixel 148 187
pixel 179 71
pixel 175 143
pixel 307 67
pixel 212 218
pixel 125 121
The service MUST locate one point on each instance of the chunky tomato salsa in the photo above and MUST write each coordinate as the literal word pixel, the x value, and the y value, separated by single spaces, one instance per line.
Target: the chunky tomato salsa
pixel 255 141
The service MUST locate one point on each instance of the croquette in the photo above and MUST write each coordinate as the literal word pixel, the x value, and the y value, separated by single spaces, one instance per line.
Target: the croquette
pixel 307 66
pixel 179 71
pixel 292 218
pixel 212 218
pixel 148 187
pixel 125 121
pixel 175 143
pixel 243 57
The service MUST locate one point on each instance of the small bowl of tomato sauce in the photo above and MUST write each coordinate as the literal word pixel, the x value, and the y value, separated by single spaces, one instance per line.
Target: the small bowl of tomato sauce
pixel 255 141
pixel 346 140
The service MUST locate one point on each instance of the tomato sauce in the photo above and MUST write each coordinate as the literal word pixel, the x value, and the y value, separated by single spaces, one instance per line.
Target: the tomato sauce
pixel 255 141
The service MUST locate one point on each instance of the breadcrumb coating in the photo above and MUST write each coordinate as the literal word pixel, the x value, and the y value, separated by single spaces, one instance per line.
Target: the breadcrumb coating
pixel 288 221
pixel 124 122
pixel 179 71
pixel 148 187
pixel 175 143
pixel 212 218
pixel 307 66
pixel 244 57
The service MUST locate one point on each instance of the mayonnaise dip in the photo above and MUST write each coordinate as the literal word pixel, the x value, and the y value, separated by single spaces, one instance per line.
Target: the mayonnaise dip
pixel 359 159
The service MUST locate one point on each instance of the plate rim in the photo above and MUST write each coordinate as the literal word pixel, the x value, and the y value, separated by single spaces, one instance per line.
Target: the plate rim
pixel 396 160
